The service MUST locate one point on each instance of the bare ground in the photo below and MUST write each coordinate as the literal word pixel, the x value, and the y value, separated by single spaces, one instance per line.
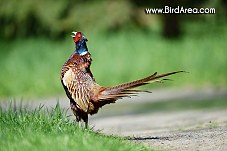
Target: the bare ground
pixel 163 130
pixel 190 130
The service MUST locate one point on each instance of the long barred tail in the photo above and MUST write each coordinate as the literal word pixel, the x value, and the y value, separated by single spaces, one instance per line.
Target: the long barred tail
pixel 125 90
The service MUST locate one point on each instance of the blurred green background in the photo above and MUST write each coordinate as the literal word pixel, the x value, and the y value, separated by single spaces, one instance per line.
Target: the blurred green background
pixel 125 43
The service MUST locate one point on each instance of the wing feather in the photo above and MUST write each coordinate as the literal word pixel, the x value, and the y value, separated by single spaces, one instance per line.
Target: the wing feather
pixel 77 88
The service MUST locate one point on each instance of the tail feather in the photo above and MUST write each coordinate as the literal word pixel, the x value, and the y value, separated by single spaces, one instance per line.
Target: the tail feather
pixel 126 89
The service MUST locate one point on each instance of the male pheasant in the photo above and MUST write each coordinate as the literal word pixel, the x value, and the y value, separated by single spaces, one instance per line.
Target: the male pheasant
pixel 86 96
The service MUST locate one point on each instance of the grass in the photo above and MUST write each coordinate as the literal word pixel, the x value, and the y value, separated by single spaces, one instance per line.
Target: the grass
pixel 51 130
pixel 31 67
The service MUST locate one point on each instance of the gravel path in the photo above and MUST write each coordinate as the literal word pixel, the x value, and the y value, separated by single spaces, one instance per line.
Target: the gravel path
pixel 191 130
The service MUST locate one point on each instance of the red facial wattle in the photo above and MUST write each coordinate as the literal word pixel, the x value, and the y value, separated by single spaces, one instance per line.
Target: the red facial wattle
pixel 77 37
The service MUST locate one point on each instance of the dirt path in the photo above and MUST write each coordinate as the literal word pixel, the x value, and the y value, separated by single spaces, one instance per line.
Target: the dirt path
pixel 191 130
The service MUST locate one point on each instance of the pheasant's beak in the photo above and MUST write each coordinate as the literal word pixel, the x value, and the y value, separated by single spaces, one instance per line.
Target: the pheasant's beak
pixel 74 34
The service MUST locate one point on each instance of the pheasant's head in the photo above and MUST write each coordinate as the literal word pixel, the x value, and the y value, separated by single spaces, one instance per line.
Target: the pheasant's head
pixel 80 42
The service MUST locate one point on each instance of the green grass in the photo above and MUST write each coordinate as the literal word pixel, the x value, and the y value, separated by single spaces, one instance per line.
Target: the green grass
pixel 23 130
pixel 31 67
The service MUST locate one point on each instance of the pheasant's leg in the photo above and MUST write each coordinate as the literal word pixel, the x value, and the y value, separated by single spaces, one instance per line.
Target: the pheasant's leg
pixel 83 124
pixel 78 118
pixel 80 123
pixel 86 124
pixel 86 121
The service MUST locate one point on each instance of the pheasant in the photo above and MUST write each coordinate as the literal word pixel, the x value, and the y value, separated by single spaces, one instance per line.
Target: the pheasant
pixel 85 95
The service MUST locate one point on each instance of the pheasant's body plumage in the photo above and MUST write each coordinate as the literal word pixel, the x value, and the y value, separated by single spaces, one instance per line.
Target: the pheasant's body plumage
pixel 86 96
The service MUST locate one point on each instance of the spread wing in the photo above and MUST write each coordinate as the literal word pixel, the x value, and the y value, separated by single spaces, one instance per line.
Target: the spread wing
pixel 76 83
